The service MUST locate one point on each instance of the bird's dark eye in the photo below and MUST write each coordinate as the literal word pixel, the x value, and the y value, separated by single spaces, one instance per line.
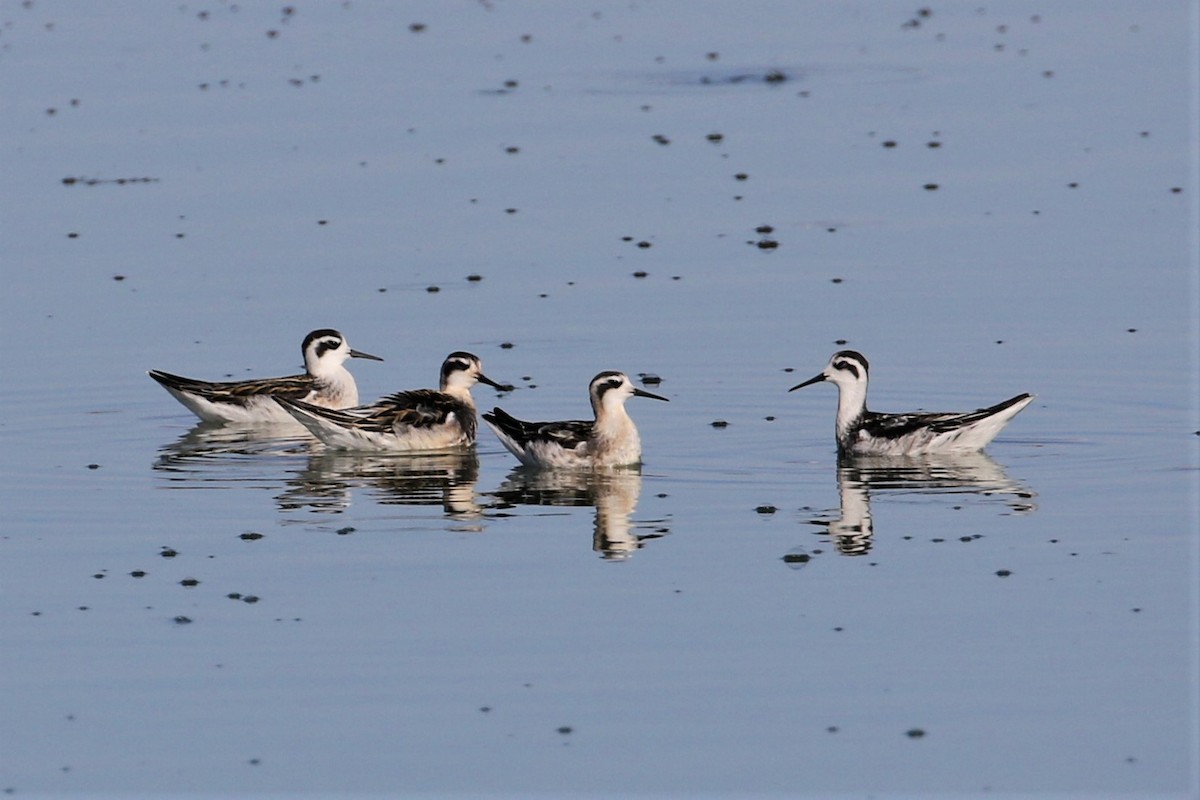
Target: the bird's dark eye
pixel 325 345
pixel 602 388
pixel 846 365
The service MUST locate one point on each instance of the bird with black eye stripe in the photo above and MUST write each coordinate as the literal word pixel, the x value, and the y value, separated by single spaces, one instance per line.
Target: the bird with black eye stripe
pixel 609 440
pixel 325 383
pixel 417 420
pixel 863 432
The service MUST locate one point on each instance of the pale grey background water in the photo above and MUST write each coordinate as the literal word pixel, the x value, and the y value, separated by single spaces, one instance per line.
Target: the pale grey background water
pixel 446 626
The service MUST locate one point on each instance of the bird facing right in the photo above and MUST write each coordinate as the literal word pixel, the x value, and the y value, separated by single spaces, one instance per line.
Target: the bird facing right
pixel 863 432
pixel 417 420
pixel 610 440
pixel 325 383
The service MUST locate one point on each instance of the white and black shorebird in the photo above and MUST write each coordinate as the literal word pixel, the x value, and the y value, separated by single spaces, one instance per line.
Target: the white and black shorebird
pixel 610 440
pixel 863 432
pixel 325 382
pixel 416 420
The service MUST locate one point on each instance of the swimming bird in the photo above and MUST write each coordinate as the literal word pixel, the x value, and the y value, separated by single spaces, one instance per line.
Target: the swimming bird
pixel 610 440
pixel 410 421
pixel 863 432
pixel 325 382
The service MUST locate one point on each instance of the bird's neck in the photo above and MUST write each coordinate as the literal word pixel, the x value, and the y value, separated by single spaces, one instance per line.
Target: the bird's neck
pixel 852 405
pixel 339 383
pixel 613 422
pixel 460 393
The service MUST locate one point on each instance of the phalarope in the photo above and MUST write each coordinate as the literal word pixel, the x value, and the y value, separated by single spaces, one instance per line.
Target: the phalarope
pixel 414 420
pixel 611 440
pixel 863 432
pixel 325 383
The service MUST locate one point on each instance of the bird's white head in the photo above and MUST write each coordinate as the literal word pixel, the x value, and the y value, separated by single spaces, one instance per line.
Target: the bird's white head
pixel 610 389
pixel 847 370
pixel 461 371
pixel 325 350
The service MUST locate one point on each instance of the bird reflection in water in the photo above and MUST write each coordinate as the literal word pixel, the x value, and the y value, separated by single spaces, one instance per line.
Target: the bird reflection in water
pixel 215 455
pixel 192 458
pixel 613 493
pixel 445 479
pixel 859 476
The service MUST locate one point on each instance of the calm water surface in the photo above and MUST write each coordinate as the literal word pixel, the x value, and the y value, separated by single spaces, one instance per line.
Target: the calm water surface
pixel 985 201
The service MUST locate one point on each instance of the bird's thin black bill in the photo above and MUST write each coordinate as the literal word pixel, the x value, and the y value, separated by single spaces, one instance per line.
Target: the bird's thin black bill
pixel 809 382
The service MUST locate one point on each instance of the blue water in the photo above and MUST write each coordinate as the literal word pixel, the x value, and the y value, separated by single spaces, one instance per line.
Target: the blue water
pixel 741 617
